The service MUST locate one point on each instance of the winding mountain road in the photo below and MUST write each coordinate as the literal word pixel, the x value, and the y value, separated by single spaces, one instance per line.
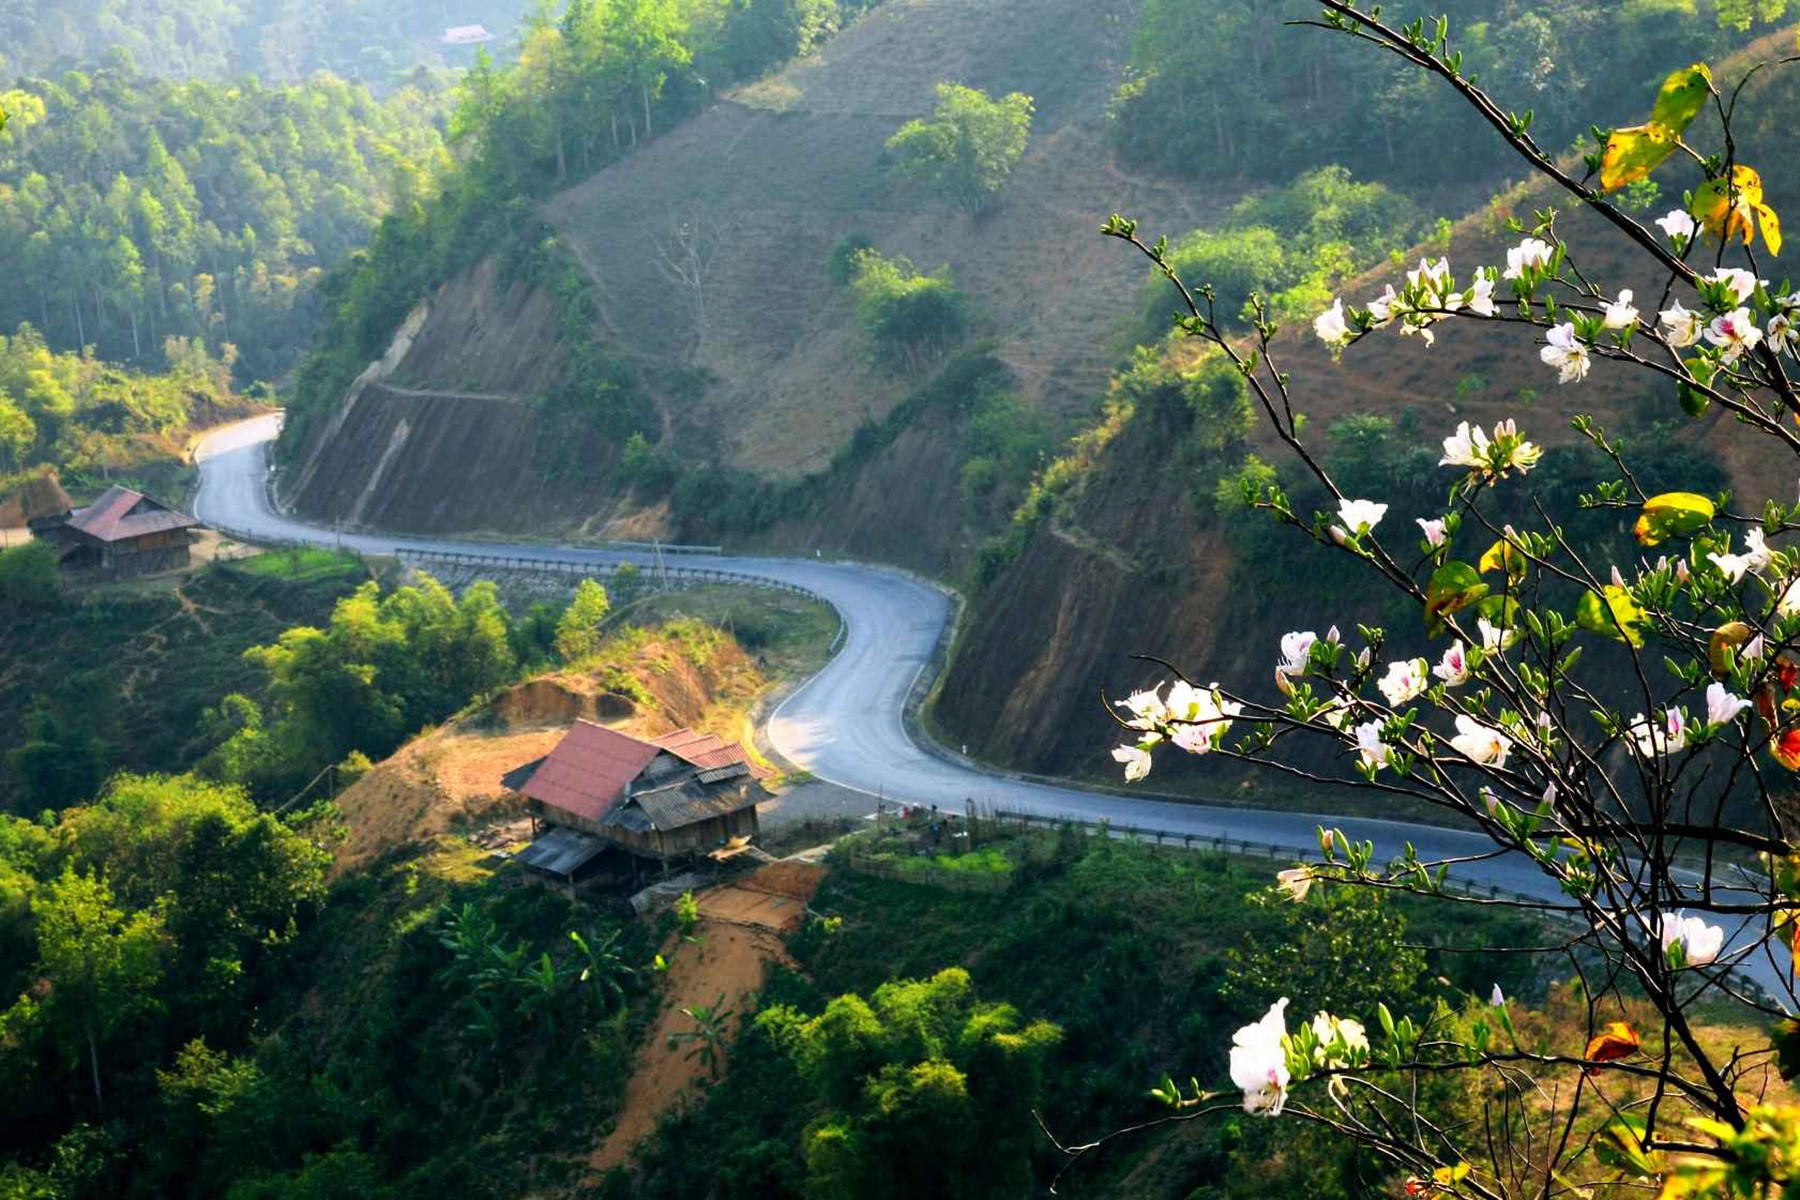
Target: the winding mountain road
pixel 844 725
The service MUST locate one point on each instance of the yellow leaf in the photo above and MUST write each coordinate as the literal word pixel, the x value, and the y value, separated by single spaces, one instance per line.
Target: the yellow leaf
pixel 1504 556
pixel 1672 514
pixel 1771 227
pixel 1725 211
pixel 1617 1040
pixel 1633 152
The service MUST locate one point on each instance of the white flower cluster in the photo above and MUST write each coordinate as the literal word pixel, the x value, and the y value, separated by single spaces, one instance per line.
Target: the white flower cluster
pixel 1193 719
pixel 1262 1066
pixel 1429 296
pixel 1487 458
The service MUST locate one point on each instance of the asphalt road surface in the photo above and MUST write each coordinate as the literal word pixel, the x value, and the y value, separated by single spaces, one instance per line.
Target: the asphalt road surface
pixel 845 724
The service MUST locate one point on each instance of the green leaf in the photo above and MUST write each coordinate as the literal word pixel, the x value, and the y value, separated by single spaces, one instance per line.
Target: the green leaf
pixel 1633 152
pixel 1453 587
pixel 1672 514
pixel 1684 93
pixel 1621 1145
pixel 1694 402
pixel 1617 617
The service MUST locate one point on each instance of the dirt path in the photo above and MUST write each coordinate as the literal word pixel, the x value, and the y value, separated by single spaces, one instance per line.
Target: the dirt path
pixel 743 929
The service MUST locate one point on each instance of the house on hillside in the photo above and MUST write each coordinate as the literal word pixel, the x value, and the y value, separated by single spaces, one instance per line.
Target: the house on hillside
pixel 123 533
pixel 678 796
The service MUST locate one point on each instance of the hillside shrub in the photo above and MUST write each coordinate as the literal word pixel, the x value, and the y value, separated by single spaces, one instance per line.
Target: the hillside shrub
pixel 968 148
pixel 841 264
pixel 912 319
pixel 29 578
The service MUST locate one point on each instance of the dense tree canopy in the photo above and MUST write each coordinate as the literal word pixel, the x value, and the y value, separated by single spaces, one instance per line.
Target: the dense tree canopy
pixel 133 209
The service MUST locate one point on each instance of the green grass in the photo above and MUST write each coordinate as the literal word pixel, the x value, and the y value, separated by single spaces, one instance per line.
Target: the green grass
pixel 303 564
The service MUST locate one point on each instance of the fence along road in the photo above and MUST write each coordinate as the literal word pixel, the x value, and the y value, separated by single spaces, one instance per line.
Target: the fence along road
pixel 845 724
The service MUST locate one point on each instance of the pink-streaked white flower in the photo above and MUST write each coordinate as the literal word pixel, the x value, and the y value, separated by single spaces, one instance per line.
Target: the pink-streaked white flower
pixel 1433 531
pixel 1497 998
pixel 1681 327
pixel 1431 277
pixel 1742 283
pixel 1734 332
pixel 1373 751
pixel 1200 717
pixel 1403 681
pixel 1678 226
pixel 1295 647
pixel 1360 516
pixel 1259 1062
pixel 1453 668
pixel 1136 760
pixel 1506 451
pixel 1480 743
pixel 1620 313
pixel 1567 353
pixel 1700 943
pixel 1532 254
pixel 1657 738
pixel 1722 706
pixel 1331 327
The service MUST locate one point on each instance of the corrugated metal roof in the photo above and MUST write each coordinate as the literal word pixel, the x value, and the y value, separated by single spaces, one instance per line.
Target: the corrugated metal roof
pixel 561 851
pixel 689 801
pixel 721 773
pixel 589 769
pixel 120 514
pixel 703 750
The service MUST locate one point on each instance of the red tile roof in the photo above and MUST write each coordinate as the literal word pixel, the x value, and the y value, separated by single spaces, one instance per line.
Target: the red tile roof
pixel 587 772
pixel 120 514
pixel 589 769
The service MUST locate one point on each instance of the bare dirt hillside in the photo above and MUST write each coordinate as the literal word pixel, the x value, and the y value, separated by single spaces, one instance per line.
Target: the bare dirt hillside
pixel 1129 566
pixel 776 173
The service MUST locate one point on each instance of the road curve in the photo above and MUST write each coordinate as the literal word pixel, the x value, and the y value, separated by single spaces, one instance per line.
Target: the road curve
pixel 844 725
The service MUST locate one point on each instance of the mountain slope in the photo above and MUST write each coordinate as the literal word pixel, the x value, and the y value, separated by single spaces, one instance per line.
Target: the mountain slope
pixel 776 174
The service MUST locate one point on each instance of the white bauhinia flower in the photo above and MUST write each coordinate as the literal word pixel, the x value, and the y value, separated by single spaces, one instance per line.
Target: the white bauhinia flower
pixel 1342 1042
pixel 1653 738
pixel 1567 353
pixel 1453 668
pixel 1335 712
pixel 1722 706
pixel 1700 942
pixel 1136 760
pixel 1467 447
pixel 1184 701
pixel 1433 530
pixel 1360 516
pixel 1497 998
pixel 1734 332
pixel 1431 277
pixel 1620 313
pixel 1295 647
pixel 1148 711
pixel 1789 604
pixel 1530 254
pixel 1754 559
pixel 1515 453
pixel 1480 296
pixel 1295 881
pixel 1331 327
pixel 1259 1062
pixel 1195 738
pixel 1783 334
pixel 1493 637
pixel 1753 649
pixel 1385 307
pixel 1403 681
pixel 1373 751
pixel 1681 327
pixel 1678 226
pixel 1742 283
pixel 1480 743
pixel 1208 719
